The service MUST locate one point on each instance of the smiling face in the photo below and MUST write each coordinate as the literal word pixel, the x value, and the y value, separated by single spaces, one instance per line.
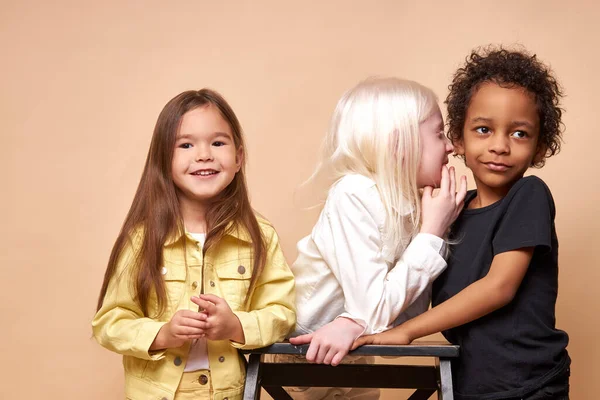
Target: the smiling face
pixel 205 159
pixel 500 136
pixel 435 148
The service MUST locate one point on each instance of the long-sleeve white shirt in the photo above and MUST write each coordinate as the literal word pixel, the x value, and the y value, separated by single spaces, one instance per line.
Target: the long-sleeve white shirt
pixel 344 268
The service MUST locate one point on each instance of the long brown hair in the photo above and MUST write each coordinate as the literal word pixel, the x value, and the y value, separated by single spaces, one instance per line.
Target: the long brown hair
pixel 155 208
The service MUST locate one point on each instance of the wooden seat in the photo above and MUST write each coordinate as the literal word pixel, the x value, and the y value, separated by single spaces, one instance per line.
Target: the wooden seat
pixel 425 379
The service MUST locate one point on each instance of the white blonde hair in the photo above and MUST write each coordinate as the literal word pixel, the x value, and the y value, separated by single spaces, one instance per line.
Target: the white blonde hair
pixel 375 132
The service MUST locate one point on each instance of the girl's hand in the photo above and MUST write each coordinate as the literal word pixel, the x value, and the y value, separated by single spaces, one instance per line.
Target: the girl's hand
pixel 440 211
pixel 330 343
pixel 184 325
pixel 218 321
pixel 393 336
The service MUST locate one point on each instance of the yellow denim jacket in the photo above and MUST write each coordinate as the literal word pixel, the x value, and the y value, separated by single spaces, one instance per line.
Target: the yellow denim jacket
pixel 224 271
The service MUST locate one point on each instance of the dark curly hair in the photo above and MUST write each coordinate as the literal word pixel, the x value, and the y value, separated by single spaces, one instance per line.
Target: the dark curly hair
pixel 507 68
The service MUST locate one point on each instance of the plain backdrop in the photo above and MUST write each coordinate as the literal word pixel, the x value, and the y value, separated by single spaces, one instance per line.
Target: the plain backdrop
pixel 81 86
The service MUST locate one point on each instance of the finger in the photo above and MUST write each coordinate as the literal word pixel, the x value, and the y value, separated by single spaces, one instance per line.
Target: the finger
pixel 205 325
pixel 462 191
pixel 192 323
pixel 185 314
pixel 184 331
pixel 202 316
pixel 427 192
pixel 361 341
pixel 213 299
pixel 207 306
pixel 323 350
pixel 329 356
pixel 337 359
pixel 452 175
pixel 303 339
pixel 194 337
pixel 313 349
pixel 445 182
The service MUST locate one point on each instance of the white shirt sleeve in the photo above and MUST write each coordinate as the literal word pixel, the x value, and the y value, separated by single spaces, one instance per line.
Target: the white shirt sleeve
pixel 374 294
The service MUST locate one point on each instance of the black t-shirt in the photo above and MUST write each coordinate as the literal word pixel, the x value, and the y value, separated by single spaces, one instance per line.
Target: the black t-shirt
pixel 516 349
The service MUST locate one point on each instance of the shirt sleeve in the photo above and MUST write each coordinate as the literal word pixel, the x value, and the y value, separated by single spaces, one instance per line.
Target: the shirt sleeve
pixel 376 295
pixel 271 311
pixel 528 218
pixel 119 325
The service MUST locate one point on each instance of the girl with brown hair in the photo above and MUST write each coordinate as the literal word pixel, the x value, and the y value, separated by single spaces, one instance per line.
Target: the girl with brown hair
pixel 194 274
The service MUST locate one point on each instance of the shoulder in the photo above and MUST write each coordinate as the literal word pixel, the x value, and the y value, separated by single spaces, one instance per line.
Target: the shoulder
pixel 266 228
pixel 353 189
pixel 531 189
pixel 531 182
pixel 353 183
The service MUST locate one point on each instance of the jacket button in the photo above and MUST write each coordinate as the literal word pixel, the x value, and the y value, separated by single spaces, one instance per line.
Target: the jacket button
pixel 212 284
pixel 194 285
pixel 221 359
pixel 241 270
pixel 177 361
pixel 203 379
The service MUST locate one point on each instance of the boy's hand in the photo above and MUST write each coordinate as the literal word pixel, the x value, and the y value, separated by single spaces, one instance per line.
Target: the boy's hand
pixel 218 321
pixel 330 343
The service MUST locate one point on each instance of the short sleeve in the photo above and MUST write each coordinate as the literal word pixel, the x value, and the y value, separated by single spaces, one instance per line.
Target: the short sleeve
pixel 528 218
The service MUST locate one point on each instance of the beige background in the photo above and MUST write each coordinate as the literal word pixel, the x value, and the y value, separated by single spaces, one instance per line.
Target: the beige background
pixel 82 84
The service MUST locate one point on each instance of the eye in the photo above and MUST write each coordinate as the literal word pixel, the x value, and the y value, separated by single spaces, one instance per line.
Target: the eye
pixel 185 146
pixel 482 130
pixel 218 143
pixel 520 134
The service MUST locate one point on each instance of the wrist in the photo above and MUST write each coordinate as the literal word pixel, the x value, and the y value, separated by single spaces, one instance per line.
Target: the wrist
pixel 237 332
pixel 409 333
pixel 432 230
pixel 160 341
pixel 350 325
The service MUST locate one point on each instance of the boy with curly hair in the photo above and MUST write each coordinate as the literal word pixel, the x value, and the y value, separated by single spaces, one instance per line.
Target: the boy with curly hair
pixel 497 297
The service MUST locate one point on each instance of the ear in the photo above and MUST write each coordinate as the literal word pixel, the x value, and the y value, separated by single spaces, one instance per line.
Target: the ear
pixel 459 147
pixel 239 158
pixel 540 154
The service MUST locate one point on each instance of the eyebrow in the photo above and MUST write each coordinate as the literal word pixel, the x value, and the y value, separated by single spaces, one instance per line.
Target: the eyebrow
pixel 513 124
pixel 214 135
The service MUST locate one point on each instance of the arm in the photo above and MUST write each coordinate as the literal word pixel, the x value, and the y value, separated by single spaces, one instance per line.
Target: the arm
pixel 271 310
pixel 119 325
pixel 488 294
pixel 375 295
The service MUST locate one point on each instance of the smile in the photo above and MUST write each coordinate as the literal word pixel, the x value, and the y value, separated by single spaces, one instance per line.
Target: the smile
pixel 205 172
pixel 498 167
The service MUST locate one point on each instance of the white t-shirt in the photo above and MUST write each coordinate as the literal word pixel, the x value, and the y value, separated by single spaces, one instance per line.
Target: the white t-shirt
pixel 198 356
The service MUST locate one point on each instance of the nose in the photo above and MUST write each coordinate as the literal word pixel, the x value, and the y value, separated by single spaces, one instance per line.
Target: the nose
pixel 203 153
pixel 449 146
pixel 499 144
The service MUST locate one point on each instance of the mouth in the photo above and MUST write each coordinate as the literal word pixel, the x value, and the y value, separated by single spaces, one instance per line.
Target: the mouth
pixel 498 167
pixel 205 172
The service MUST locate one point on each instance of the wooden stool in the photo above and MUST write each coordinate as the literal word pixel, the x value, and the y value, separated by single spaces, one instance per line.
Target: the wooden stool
pixel 426 379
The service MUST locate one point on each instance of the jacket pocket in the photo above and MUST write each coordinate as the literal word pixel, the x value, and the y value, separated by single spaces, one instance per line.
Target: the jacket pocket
pixel 234 281
pixel 175 280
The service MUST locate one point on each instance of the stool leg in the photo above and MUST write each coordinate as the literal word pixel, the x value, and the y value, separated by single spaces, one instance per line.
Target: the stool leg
pixel 445 390
pixel 252 386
